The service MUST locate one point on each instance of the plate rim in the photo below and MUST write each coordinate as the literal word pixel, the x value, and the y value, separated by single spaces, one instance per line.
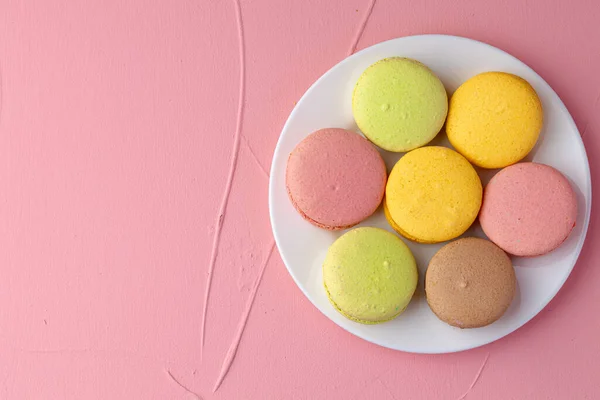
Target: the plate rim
pixel 570 121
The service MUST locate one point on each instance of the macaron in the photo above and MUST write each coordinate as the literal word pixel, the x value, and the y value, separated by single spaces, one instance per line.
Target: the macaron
pixel 390 220
pixel 470 283
pixel 399 104
pixel 335 178
pixel 528 209
pixel 494 119
pixel 432 195
pixel 369 275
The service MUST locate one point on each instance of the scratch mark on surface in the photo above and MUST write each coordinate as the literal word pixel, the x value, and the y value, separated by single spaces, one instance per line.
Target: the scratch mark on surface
pixel 387 389
pixel 476 377
pixel 229 357
pixel 587 124
pixel 361 28
pixel 232 167
pixel 254 157
pixel 585 129
pixel 182 386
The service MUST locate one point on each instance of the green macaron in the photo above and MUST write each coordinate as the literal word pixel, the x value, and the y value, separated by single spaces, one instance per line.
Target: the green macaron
pixel 399 104
pixel 369 275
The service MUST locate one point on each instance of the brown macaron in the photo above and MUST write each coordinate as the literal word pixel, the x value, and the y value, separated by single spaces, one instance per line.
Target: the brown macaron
pixel 470 283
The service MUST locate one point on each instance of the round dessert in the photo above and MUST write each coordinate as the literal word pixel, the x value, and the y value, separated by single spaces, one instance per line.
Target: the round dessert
pixel 369 275
pixel 528 209
pixel 433 194
pixel 399 104
pixel 470 283
pixel 335 178
pixel 494 119
pixel 388 218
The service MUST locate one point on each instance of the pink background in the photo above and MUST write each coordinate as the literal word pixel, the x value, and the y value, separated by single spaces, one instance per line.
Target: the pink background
pixel 117 129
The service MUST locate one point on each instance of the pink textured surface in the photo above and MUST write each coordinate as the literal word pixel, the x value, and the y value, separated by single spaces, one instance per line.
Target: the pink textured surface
pixel 117 127
pixel 528 209
pixel 336 178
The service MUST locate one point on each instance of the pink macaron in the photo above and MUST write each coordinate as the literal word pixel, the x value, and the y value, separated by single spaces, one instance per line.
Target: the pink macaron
pixel 528 209
pixel 335 178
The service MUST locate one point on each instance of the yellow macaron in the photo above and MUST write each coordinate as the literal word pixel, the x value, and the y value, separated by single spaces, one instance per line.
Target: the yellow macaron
pixel 432 195
pixel 494 119
pixel 395 226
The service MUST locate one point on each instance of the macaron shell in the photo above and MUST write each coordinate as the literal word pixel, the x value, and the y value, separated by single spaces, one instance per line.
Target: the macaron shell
pixel 335 178
pixel 433 194
pixel 494 119
pixel 395 226
pixel 370 275
pixel 528 209
pixel 470 283
pixel 361 321
pixel 399 104
pixel 390 220
pixel 312 221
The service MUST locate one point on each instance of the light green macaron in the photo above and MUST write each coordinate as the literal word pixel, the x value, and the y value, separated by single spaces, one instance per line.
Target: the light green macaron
pixel 399 104
pixel 370 275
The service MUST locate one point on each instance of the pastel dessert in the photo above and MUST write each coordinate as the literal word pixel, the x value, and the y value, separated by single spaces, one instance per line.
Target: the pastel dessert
pixel 399 104
pixel 335 178
pixel 470 283
pixel 433 194
pixel 390 220
pixel 369 275
pixel 494 119
pixel 528 209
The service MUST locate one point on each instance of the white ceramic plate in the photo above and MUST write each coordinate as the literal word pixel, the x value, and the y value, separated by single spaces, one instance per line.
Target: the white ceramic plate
pixel 328 104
